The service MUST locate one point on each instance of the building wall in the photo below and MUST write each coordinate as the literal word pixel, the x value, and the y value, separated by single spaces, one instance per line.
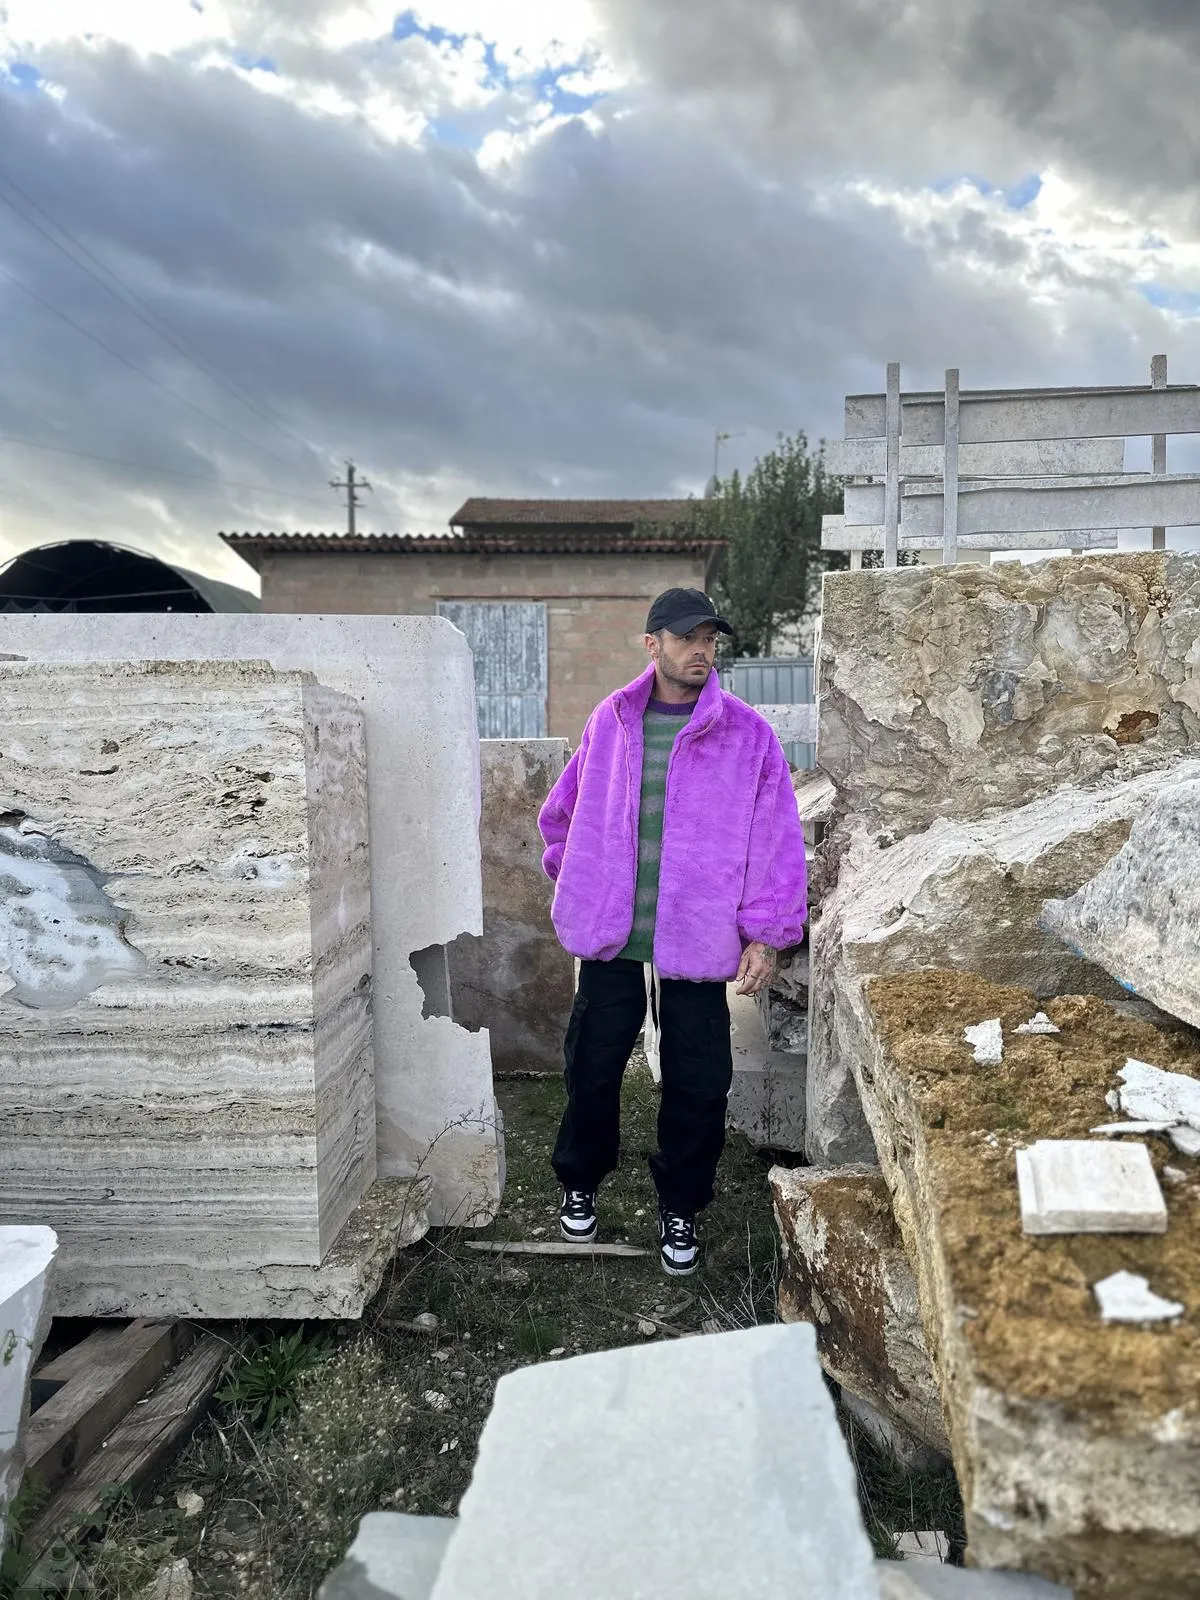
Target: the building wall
pixel 596 605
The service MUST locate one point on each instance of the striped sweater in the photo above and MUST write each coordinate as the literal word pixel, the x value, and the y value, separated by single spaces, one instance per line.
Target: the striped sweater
pixel 660 727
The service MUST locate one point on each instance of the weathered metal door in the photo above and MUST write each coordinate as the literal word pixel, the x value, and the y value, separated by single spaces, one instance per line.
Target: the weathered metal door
pixel 508 641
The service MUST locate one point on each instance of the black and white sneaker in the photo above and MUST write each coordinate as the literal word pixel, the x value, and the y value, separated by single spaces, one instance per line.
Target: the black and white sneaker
pixel 577 1216
pixel 678 1249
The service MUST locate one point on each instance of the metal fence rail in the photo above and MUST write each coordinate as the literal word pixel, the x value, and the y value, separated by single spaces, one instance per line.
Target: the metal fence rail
pixel 774 681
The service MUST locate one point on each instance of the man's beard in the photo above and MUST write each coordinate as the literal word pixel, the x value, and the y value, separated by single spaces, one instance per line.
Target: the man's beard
pixel 678 675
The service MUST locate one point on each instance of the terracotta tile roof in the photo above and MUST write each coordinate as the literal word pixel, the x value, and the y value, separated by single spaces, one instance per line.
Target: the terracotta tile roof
pixel 517 542
pixel 481 512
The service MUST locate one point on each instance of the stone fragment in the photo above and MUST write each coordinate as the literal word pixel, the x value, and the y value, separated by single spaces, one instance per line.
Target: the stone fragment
pixel 26 1257
pixel 189 1502
pixel 1138 916
pixel 760 1513
pixel 1127 1297
pixel 1174 1175
pixel 888 1436
pixel 1112 1128
pixel 1083 1186
pixel 1038 1023
pixel 1186 1140
pixel 959 691
pixel 987 1040
pixel 394 1556
pixel 962 894
pixel 1078 1455
pixel 767 1095
pixel 1151 1093
pixel 413 677
pixel 927 1545
pixel 927 1581
pixel 516 981
pixel 844 1270
pixel 173 1582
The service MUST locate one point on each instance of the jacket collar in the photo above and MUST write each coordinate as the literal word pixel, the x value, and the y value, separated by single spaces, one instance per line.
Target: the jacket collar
pixel 631 701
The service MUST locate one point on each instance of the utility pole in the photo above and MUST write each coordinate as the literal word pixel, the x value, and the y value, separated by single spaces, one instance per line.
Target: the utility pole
pixel 351 484
pixel 719 439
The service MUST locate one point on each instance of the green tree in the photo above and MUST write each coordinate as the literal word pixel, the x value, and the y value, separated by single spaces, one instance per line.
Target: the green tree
pixel 770 573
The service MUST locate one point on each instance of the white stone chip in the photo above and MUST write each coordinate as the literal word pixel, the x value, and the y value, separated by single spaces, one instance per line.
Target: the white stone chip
pixel 988 1040
pixel 1127 1297
pixel 1113 1100
pixel 928 1544
pixel 1186 1140
pixel 1133 1127
pixel 1089 1186
pixel 1039 1023
pixel 1174 1175
pixel 695 1487
pixel 1149 1092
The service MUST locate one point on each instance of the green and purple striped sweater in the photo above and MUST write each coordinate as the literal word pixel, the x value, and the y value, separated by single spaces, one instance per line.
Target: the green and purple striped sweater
pixel 661 725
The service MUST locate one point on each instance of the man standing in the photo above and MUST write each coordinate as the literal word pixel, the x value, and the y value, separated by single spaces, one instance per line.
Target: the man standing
pixel 676 851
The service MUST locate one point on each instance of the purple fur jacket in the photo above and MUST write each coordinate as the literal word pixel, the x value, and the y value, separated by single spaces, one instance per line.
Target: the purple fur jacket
pixel 732 849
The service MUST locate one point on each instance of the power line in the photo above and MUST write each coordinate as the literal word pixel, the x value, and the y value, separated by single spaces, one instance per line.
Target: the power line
pixel 126 295
pixel 174 472
pixel 141 372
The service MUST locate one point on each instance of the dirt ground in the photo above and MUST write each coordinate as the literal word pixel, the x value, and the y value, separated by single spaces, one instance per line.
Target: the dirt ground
pixel 378 1416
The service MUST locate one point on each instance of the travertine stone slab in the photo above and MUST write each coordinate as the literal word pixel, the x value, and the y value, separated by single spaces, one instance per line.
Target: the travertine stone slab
pixel 414 679
pixel 714 1471
pixel 394 1556
pixel 186 1079
pixel 26 1258
pixel 1089 1186
pixel 766 1096
pixel 1138 917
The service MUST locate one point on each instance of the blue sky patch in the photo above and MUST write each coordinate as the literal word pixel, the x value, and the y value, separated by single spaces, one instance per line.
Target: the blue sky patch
pixel 406 26
pixel 1183 302
pixel 23 76
pixel 1023 193
pixel 249 64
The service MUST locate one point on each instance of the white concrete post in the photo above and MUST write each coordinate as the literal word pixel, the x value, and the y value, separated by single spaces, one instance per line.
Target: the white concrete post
pixel 950 473
pixel 891 508
pixel 1158 463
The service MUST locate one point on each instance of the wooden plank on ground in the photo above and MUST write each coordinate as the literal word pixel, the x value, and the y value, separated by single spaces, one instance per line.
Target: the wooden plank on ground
pixel 71 1424
pixel 142 1444
pixel 81 1356
pixel 551 1247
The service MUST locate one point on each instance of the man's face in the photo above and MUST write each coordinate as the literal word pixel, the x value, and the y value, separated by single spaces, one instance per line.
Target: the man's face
pixel 684 660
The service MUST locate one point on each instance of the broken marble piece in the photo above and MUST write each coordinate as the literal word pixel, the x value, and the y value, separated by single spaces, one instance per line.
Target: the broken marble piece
pixel 26 1265
pixel 1186 1139
pixel 1138 916
pixel 204 1111
pixel 988 1041
pixel 927 1544
pixel 844 1269
pixel 393 1555
pixel 759 1514
pixel 1038 1023
pixel 1150 1092
pixel 1085 1186
pixel 927 1580
pixel 1127 1297
pixel 1113 1128
pixel 413 678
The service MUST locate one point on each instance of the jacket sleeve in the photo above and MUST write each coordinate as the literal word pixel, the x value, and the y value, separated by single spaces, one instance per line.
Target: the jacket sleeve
pixel 554 819
pixel 775 889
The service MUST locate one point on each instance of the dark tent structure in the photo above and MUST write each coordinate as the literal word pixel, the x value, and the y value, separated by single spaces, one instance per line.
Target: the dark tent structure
pixel 92 575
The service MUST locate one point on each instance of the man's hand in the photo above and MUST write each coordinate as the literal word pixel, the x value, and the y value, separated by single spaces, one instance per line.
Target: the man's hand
pixel 756 968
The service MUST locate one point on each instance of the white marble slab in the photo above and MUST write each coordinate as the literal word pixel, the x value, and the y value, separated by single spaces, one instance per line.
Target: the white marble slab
pixel 1128 1297
pixel 26 1262
pixel 1089 1186
pixel 414 679
pixel 186 1077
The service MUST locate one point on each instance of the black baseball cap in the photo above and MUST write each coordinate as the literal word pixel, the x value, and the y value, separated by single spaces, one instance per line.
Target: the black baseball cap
pixel 681 610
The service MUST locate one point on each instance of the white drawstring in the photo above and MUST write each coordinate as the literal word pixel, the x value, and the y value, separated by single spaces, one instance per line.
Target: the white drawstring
pixel 652 1033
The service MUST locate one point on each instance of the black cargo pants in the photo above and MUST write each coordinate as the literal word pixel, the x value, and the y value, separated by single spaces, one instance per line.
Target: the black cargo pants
pixel 697 1069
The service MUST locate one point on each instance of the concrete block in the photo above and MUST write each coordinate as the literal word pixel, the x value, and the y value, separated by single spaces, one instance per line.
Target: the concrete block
pixel 414 680
pixel 1086 1186
pixel 394 1557
pixel 844 1270
pixel 1137 917
pixel 186 1078
pixel 26 1258
pixel 516 981
pixel 767 1095
pixel 704 1469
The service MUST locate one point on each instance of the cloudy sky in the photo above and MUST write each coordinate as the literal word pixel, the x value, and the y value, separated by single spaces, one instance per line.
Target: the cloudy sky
pixel 549 247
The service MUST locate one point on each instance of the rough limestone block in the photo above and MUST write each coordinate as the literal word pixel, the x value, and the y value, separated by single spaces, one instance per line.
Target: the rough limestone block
pixel 393 1555
pixel 956 691
pixel 414 679
pixel 766 1097
pixel 1087 1186
pixel 712 1469
pixel 845 1271
pixel 516 981
pixel 186 1077
pixel 1076 1443
pixel 924 1581
pixel 965 894
pixel 1138 918
pixel 26 1257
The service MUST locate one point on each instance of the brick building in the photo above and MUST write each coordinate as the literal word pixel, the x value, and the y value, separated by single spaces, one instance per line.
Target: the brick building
pixel 552 594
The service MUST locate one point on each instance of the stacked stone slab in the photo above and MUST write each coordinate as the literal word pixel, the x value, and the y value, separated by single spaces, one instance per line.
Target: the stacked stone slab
pixel 436 1114
pixel 186 1078
pixel 951 699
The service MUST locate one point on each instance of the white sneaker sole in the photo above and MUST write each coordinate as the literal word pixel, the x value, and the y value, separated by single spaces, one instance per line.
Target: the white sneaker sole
pixel 577 1238
pixel 675 1270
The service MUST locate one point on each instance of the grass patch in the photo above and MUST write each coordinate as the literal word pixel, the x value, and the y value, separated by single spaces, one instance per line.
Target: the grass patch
pixel 320 1425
